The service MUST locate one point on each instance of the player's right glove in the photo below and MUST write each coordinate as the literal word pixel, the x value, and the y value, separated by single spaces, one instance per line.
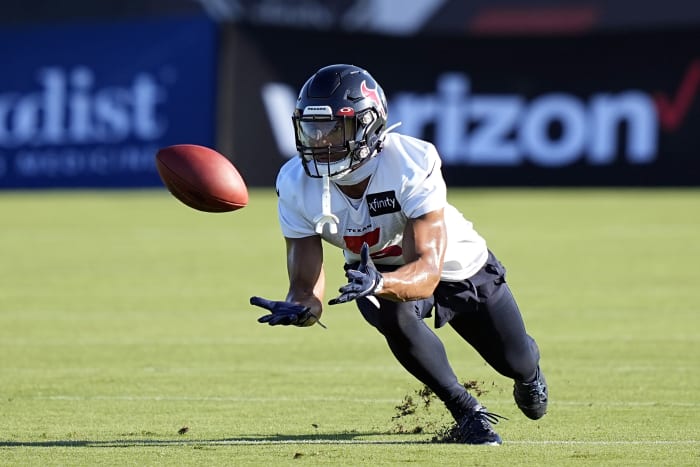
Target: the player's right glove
pixel 284 313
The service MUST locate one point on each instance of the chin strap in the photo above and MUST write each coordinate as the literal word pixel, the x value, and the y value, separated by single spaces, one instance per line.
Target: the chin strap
pixel 326 216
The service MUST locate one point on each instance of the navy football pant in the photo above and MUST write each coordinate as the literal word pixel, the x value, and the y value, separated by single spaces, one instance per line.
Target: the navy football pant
pixel 481 309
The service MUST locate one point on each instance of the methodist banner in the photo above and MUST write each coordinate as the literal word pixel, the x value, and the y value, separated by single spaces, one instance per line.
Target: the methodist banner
pixel 604 110
pixel 88 105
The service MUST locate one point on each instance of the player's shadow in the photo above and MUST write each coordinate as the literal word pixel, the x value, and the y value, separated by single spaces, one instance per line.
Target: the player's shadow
pixel 247 440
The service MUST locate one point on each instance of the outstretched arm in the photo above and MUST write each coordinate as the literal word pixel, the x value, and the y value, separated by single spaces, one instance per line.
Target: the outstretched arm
pixel 424 243
pixel 302 306
pixel 305 270
pixel 424 249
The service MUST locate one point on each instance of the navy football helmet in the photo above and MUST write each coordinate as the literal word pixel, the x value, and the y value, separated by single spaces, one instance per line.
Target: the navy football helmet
pixel 339 119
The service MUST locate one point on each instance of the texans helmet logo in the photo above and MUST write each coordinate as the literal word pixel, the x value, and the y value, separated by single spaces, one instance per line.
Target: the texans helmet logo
pixel 374 95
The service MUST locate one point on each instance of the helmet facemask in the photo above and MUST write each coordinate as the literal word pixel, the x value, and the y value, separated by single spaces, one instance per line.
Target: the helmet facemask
pixel 335 145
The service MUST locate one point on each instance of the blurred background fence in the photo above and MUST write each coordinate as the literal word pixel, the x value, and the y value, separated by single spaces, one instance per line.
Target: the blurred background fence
pixel 513 93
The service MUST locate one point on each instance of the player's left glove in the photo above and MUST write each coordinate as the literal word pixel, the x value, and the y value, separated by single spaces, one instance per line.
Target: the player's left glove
pixel 284 313
pixel 363 281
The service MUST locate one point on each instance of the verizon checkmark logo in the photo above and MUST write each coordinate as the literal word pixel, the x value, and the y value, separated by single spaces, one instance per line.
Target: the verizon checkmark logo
pixel 673 109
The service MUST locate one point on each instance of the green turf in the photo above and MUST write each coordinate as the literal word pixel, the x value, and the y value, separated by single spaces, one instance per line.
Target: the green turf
pixel 124 317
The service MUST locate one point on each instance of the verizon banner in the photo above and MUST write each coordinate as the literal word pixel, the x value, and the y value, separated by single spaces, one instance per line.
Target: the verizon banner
pixel 88 105
pixel 607 110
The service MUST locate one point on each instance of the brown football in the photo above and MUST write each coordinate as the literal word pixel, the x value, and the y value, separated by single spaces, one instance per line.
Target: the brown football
pixel 201 178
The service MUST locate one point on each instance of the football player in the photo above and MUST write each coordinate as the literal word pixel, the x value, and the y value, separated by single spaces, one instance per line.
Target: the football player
pixel 380 197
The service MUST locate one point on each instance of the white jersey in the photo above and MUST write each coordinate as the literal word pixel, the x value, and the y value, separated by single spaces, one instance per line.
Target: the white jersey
pixel 407 183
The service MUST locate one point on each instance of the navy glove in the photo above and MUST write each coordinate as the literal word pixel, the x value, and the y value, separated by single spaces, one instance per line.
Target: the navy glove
pixel 284 313
pixel 363 281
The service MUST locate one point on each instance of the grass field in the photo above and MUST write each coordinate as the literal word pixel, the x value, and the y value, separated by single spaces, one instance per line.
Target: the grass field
pixel 124 318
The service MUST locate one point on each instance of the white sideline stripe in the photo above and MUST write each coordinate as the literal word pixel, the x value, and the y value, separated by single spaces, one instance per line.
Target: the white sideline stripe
pixel 342 399
pixel 258 442
pixel 210 399
pixel 652 442
pixel 543 442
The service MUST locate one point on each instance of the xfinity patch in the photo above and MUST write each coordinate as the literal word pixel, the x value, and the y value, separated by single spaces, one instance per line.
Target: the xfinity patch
pixel 382 203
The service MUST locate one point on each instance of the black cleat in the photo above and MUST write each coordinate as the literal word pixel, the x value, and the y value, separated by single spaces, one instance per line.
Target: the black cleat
pixel 475 428
pixel 532 397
